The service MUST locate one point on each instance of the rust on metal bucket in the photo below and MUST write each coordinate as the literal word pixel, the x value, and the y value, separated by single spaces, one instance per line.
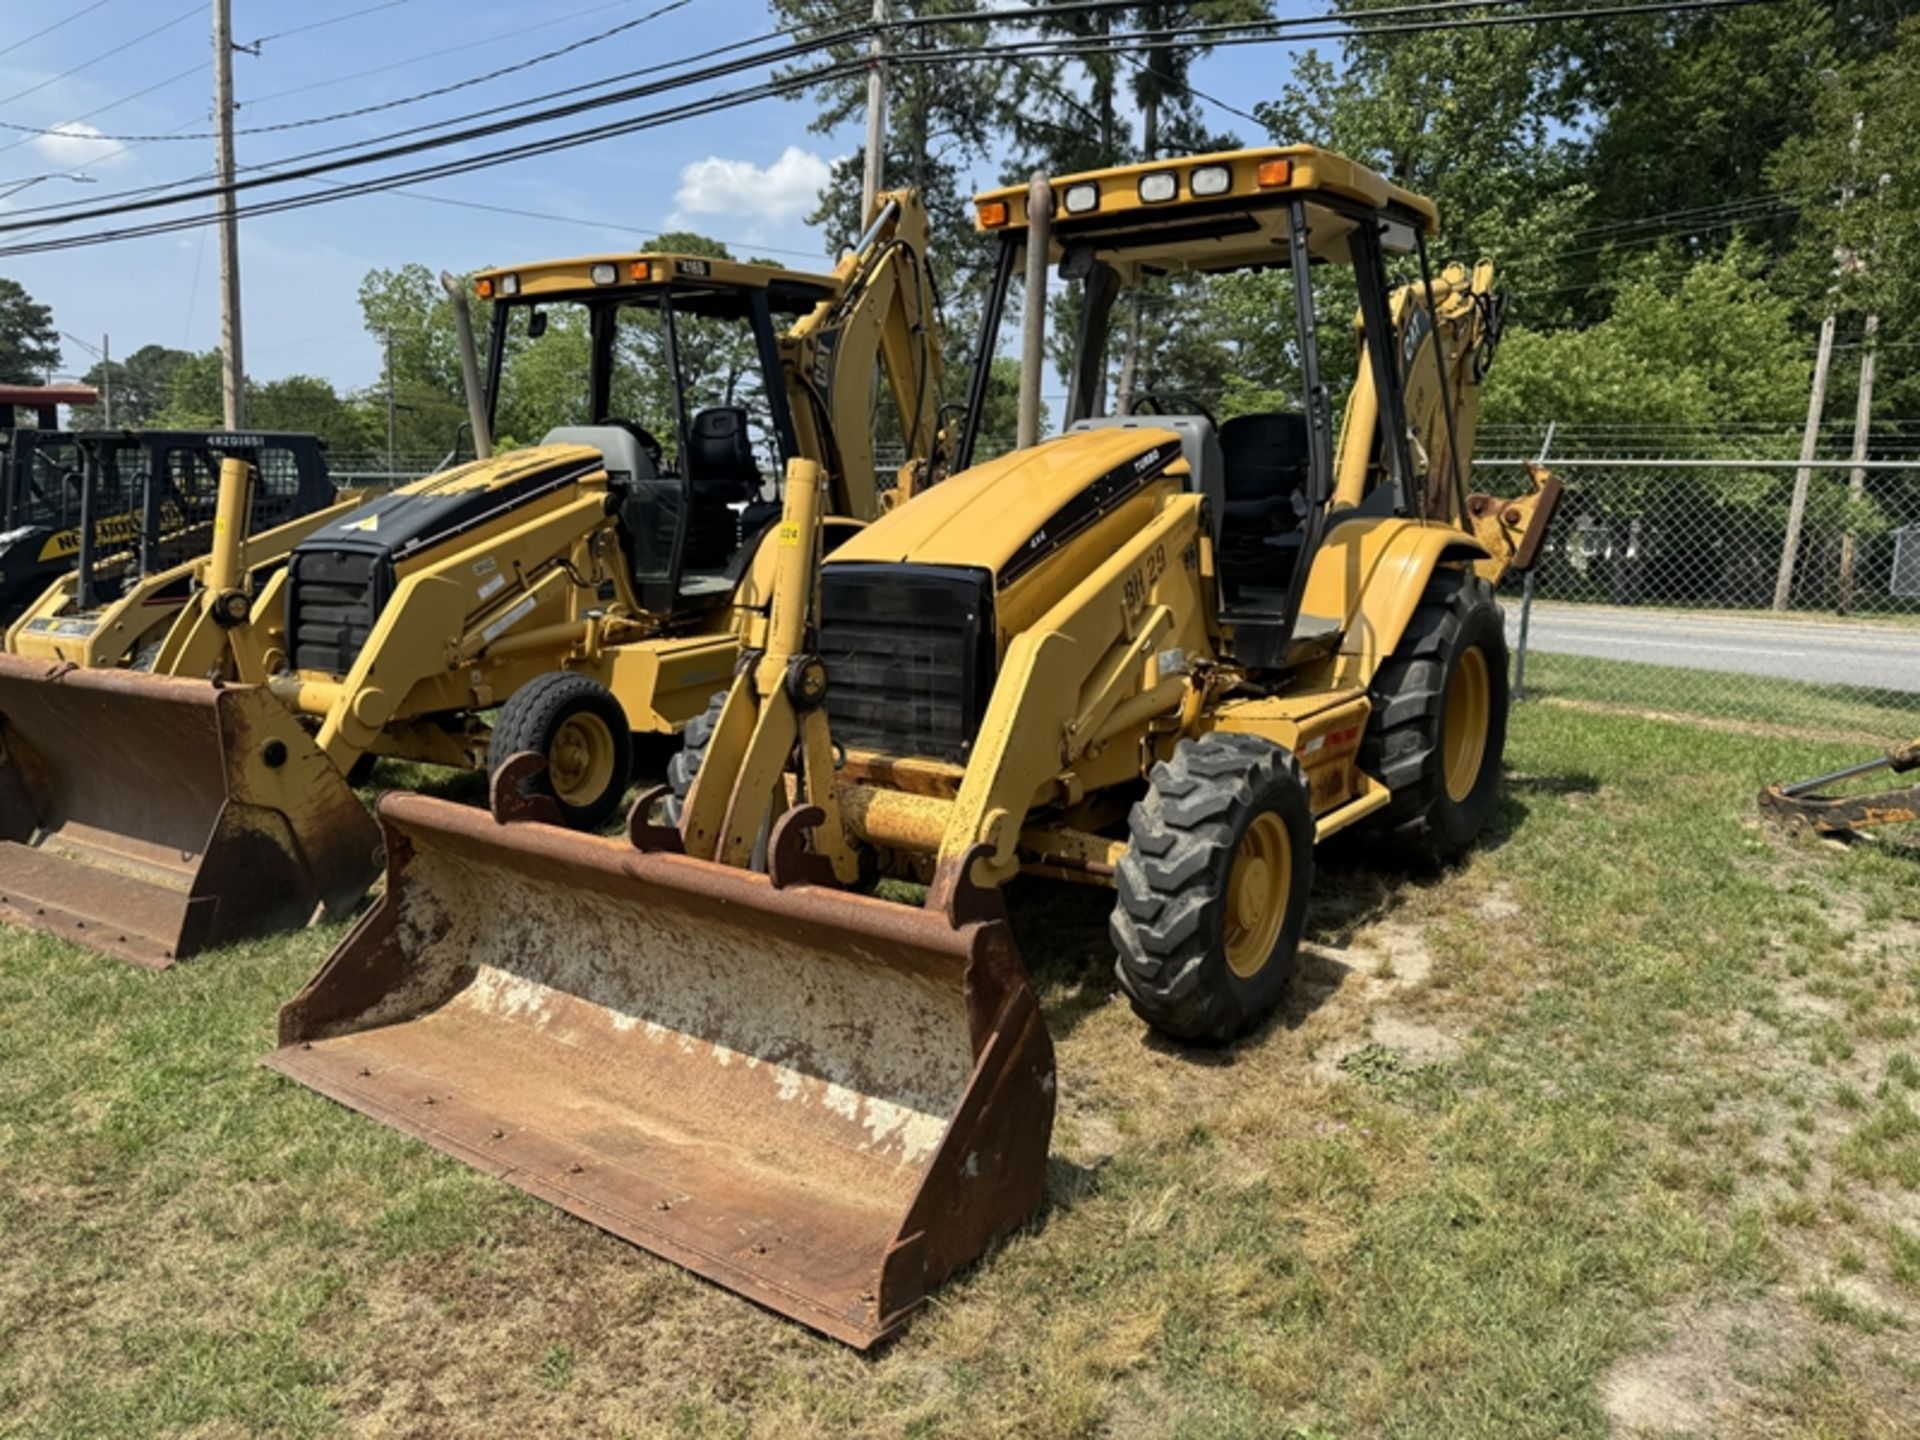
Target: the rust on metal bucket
pixel 152 818
pixel 825 1102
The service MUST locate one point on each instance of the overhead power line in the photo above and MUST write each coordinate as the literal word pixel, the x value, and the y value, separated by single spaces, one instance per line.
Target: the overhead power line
pixel 309 121
pixel 17 95
pixel 1116 43
pixel 323 24
pixel 64 20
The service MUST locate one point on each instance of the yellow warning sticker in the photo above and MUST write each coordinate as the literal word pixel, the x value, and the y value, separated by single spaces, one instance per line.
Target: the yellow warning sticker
pixel 789 533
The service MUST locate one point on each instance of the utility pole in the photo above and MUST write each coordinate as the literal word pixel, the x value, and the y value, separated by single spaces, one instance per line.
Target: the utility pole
pixel 1862 416
pixel 1857 480
pixel 106 379
pixel 1816 403
pixel 232 363
pixel 876 115
pixel 1803 477
pixel 390 470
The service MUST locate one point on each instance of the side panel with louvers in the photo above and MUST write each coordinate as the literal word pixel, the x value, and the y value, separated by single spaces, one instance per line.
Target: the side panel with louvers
pixel 909 651
pixel 334 595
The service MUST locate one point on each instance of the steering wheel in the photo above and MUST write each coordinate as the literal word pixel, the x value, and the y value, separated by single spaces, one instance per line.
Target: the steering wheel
pixel 1172 403
pixel 639 432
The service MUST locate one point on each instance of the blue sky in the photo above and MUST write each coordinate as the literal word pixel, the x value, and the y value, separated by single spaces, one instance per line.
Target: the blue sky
pixel 747 176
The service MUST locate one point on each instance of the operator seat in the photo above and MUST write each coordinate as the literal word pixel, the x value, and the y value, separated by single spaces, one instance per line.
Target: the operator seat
pixel 721 473
pixel 1266 459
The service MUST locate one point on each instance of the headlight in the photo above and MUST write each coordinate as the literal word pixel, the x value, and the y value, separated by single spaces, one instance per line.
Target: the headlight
pixel 604 273
pixel 1211 180
pixel 1159 187
pixel 1083 197
pixel 509 284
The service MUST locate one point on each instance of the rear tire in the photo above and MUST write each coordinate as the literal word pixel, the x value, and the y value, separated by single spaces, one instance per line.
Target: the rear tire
pixel 1439 723
pixel 684 766
pixel 576 723
pixel 1212 891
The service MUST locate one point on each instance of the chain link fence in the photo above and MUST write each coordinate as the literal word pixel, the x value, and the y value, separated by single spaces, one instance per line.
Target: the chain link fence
pixel 1747 588
pixel 1674 583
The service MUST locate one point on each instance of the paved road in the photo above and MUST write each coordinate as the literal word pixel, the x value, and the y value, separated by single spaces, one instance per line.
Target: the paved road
pixel 1827 652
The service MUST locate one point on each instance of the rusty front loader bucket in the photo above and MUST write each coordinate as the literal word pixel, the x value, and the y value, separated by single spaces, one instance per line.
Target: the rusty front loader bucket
pixel 824 1102
pixel 152 818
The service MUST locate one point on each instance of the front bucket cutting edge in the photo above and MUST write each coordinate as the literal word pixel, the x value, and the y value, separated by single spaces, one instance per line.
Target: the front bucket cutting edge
pixel 152 818
pixel 825 1102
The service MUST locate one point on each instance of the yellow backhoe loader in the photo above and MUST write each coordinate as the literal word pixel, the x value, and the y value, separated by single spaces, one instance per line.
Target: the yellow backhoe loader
pixel 589 588
pixel 1154 652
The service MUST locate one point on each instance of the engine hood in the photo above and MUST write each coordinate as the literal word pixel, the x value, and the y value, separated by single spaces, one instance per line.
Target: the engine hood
pixel 1009 513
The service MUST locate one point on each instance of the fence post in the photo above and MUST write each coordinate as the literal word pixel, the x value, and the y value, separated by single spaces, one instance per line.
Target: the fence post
pixel 1526 597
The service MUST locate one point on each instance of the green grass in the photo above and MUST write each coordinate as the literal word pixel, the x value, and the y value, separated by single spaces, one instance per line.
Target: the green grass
pixel 1873 714
pixel 1625 1094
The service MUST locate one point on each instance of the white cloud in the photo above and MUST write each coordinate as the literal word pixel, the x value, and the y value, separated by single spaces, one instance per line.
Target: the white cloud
pixel 776 194
pixel 76 146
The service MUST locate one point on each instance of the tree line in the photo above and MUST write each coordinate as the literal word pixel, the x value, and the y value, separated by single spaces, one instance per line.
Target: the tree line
pixel 1675 202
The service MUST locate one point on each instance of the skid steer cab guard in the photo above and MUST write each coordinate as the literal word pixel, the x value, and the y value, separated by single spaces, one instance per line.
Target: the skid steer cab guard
pixel 218 821
pixel 824 1102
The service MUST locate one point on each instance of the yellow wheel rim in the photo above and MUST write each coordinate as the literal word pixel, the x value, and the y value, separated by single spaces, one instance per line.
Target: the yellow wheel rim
pixel 1463 737
pixel 580 760
pixel 1258 889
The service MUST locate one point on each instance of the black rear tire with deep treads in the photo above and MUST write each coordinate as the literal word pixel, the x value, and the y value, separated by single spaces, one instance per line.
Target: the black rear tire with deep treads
pixel 1407 739
pixel 1190 957
pixel 544 713
pixel 684 766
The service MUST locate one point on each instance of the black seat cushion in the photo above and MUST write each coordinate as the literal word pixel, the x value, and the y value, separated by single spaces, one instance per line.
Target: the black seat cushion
pixel 1265 455
pixel 720 460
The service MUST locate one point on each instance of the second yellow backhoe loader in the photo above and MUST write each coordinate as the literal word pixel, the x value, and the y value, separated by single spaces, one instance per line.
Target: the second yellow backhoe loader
pixel 560 598
pixel 1154 653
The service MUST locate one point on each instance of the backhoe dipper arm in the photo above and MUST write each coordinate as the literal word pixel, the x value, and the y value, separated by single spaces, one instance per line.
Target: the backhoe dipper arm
pixel 1468 311
pixel 887 308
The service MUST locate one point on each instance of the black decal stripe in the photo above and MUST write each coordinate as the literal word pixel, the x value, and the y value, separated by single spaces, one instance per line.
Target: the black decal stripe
pixel 1120 483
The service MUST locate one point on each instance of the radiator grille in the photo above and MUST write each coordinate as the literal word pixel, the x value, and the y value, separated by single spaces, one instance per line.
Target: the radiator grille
pixel 334 598
pixel 909 651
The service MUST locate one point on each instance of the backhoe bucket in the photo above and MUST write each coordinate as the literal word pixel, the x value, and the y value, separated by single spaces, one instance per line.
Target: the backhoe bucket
pixel 152 818
pixel 824 1102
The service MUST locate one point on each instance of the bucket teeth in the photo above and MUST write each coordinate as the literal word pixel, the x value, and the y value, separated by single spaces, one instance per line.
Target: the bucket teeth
pixel 152 818
pixel 824 1102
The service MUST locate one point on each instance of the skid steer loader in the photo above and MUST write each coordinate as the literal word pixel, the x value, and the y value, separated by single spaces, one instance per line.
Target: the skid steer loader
pixel 1154 652
pixel 588 588
pixel 115 556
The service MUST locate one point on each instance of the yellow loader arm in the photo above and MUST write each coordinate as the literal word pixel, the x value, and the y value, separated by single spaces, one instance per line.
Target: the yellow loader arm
pixel 773 707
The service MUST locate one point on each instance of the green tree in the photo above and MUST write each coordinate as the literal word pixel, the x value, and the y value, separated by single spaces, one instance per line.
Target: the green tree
pixel 1653 363
pixel 306 403
pixel 142 385
pixel 939 116
pixel 29 343
pixel 1857 246
pixel 430 405
pixel 1474 119
pixel 193 395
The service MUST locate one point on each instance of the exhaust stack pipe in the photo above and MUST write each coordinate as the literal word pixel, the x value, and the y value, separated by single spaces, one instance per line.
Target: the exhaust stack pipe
pixel 1033 334
pixel 469 366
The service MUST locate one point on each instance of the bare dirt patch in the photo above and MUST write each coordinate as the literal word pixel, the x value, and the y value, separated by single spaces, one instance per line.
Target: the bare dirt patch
pixel 1707 1376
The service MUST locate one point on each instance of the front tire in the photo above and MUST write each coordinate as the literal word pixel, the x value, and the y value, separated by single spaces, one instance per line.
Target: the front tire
pixel 574 721
pixel 1439 724
pixel 1212 890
